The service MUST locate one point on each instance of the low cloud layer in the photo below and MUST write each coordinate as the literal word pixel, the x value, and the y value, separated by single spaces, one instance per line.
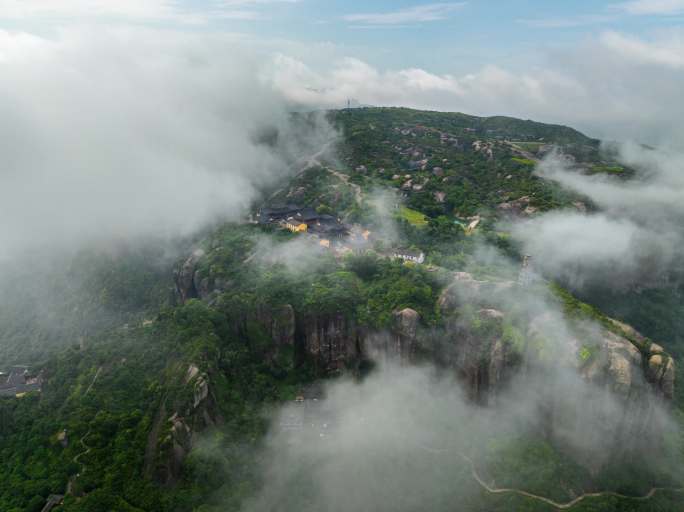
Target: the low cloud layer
pixel 403 438
pixel 609 81
pixel 130 132
pixel 635 238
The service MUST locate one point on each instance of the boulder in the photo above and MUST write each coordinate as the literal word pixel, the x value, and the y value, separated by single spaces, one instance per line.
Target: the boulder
pixel 481 358
pixel 517 208
pixel 404 332
pixel 661 372
pixel 186 279
pixel 623 364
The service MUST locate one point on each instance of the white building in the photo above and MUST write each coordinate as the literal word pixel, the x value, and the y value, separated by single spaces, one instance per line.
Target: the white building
pixel 409 255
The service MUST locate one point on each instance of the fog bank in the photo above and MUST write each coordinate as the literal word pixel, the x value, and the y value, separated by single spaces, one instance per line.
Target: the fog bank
pixel 132 132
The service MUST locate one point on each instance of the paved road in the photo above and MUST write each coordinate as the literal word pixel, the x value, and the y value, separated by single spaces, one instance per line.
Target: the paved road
pixel 548 501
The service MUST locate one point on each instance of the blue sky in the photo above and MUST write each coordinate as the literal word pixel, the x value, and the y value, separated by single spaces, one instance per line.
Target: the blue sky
pixel 588 63
pixel 449 36
pixel 440 37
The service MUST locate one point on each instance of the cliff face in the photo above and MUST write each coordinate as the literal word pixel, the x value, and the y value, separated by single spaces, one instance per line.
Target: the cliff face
pixel 481 358
pixel 399 344
pixel 593 382
pixel 333 342
pixel 187 278
pixel 178 422
pixel 485 348
pixel 474 345
pixel 492 334
pixel 192 284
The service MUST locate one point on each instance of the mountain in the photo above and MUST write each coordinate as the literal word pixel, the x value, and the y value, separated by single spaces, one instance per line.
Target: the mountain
pixel 164 370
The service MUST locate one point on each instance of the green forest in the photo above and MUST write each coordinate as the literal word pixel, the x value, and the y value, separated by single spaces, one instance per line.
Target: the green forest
pixel 133 375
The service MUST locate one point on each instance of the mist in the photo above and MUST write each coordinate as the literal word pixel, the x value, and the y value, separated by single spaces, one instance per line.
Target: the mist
pixel 133 132
pixel 121 148
pixel 404 440
pixel 635 237
pixel 411 437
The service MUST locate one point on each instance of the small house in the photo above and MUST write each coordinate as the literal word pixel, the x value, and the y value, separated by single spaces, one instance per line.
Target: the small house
pixel 275 214
pixel 414 256
pixel 328 226
pixel 18 382
pixel 295 226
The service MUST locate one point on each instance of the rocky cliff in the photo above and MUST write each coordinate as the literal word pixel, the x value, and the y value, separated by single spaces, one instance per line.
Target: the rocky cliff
pixel 490 333
pixel 594 381
pixel 481 339
pixel 179 421
pixel 333 342
pixel 192 283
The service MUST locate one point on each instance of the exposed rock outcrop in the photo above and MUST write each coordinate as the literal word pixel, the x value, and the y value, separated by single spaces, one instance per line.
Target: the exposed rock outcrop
pixel 192 284
pixel 334 342
pixel 399 344
pixel 518 208
pixel 591 381
pixel 661 372
pixel 173 437
pixel 187 278
pixel 615 359
pixel 404 333
pixel 481 358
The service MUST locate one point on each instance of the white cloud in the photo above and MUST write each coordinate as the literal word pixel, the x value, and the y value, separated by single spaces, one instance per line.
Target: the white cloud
pixel 417 14
pixel 636 238
pixel 600 86
pixel 652 7
pixel 668 52
pixel 139 132
pixel 151 11
pixel 146 9
pixel 568 22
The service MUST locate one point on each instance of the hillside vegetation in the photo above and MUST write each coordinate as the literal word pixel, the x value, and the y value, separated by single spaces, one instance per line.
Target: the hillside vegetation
pixel 162 368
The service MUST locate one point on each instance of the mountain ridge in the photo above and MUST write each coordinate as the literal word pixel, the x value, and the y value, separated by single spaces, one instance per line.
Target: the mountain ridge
pixel 176 388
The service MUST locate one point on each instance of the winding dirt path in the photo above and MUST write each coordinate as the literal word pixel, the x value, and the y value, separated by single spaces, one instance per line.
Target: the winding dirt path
pixel 87 450
pixel 358 195
pixel 77 457
pixel 555 504
pixel 313 160
pixel 305 164
pixel 548 501
pixel 97 374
